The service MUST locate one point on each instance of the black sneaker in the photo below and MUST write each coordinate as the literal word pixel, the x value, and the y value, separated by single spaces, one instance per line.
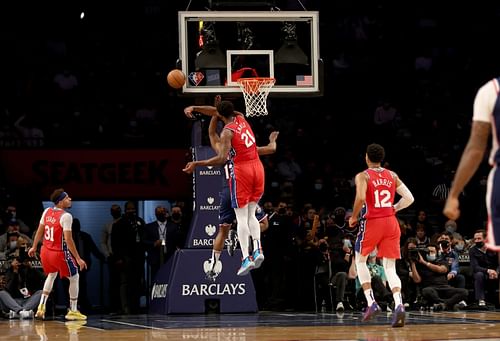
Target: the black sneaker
pixel 233 242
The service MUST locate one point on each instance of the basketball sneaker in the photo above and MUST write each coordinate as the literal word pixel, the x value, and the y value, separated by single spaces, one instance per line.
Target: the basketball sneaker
pixel 26 314
pixel 74 326
pixel 246 265
pixel 75 315
pixel 371 311
pixel 233 242
pixel 40 312
pixel 398 316
pixel 258 257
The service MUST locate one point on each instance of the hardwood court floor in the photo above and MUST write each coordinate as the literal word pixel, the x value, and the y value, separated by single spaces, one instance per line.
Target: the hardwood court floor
pixel 470 325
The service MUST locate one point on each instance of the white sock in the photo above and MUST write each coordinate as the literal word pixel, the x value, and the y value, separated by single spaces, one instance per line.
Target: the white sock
pixel 43 299
pixel 256 244
pixel 215 255
pixel 369 296
pixel 397 299
pixel 73 304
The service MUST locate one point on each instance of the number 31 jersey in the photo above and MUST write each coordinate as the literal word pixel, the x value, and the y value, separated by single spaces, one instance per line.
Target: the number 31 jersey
pixel 55 221
pixel 380 191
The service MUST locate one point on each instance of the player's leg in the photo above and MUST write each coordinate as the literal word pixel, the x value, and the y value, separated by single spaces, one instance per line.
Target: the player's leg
pixel 247 263
pixel 389 251
pixel 254 226
pixel 48 259
pixel 365 243
pixel 70 270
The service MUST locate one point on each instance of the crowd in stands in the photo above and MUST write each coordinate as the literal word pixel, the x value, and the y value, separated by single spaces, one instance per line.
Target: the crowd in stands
pixel 103 88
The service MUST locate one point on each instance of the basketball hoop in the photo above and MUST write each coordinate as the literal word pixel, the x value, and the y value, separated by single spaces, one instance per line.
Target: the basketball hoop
pixel 255 91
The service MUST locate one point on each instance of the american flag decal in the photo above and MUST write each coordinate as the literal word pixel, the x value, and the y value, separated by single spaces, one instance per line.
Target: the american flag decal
pixel 304 80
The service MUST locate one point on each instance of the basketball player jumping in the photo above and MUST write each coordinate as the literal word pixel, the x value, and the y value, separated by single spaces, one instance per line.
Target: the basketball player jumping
pixel 246 173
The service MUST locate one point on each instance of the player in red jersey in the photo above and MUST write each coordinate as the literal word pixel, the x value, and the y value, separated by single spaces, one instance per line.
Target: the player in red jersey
pixel 238 149
pixel 379 227
pixel 58 253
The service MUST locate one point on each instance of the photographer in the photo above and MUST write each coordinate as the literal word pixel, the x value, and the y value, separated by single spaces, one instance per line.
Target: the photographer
pixel 430 271
pixel 23 286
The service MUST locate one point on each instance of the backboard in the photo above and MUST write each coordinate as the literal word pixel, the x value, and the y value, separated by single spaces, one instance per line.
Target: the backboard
pixel 218 47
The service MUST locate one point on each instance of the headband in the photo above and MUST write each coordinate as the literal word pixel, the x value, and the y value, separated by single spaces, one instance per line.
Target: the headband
pixel 61 196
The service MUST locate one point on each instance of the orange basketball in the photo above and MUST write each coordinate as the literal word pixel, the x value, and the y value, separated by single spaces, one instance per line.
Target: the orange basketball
pixel 176 78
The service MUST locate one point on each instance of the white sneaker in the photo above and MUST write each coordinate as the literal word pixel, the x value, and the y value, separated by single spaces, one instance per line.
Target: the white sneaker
pixel 462 304
pixel 26 314
pixel 340 306
pixel 13 315
pixel 482 303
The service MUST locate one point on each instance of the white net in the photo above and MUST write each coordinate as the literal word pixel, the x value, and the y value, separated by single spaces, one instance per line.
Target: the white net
pixel 255 91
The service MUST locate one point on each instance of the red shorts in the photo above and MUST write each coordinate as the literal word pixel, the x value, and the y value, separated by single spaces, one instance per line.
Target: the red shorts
pixel 58 261
pixel 383 233
pixel 246 183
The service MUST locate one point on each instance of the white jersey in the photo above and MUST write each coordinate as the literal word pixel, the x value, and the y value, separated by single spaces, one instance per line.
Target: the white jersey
pixel 484 111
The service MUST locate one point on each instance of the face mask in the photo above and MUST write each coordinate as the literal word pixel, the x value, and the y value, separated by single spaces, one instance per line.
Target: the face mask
pixel 373 254
pixel 12 214
pixel 318 187
pixel 459 247
pixel 116 214
pixel 339 219
pixel 431 258
pixel 275 184
pixel 176 216
pixel 282 210
pixel 479 244
pixel 13 244
pixel 161 217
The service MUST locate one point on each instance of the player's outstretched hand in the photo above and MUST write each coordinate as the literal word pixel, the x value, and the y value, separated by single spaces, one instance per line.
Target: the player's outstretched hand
pixel 190 166
pixel 451 209
pixel 81 264
pixel 273 136
pixel 32 252
pixel 188 111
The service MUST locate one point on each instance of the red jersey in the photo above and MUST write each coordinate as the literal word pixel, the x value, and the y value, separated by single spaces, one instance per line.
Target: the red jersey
pixel 53 237
pixel 380 191
pixel 243 146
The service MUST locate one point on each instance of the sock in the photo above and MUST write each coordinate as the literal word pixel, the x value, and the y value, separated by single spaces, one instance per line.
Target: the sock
pixel 397 299
pixel 215 255
pixel 73 304
pixel 369 296
pixel 43 299
pixel 256 244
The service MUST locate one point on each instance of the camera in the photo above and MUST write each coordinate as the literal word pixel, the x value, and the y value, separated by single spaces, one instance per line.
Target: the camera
pixel 413 253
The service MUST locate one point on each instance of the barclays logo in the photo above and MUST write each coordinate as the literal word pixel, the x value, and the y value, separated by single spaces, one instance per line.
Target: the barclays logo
pixel 210 230
pixel 203 242
pixel 211 172
pixel 214 289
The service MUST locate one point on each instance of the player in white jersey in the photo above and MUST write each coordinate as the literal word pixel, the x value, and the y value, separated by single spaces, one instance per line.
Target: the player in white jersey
pixel 485 119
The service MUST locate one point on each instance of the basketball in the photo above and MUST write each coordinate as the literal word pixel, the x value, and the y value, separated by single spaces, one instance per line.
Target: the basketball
pixel 176 78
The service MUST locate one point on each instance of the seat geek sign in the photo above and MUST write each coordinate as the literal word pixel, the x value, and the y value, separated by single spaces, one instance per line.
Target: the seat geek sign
pixel 100 173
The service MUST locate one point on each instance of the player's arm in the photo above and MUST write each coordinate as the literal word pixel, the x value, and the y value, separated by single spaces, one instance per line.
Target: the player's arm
pixel 217 160
pixel 361 185
pixel 271 147
pixel 471 157
pixel 204 109
pixel 212 133
pixel 38 237
pixel 264 224
pixel 469 163
pixel 406 197
pixel 68 237
pixel 66 222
